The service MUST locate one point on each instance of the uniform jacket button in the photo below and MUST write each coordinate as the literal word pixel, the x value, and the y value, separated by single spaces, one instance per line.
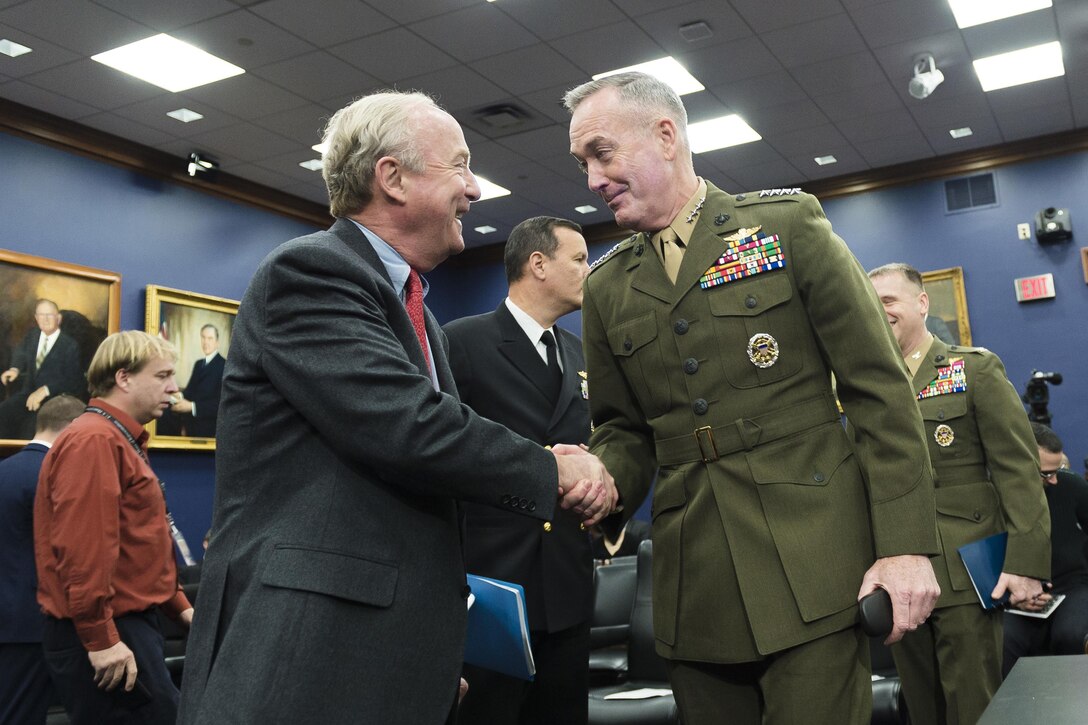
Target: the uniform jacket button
pixel 691 366
pixel 740 197
pixel 700 406
pixel 680 327
pixel 978 516
pixel 547 526
pixel 940 415
pixel 627 345
pixel 818 477
pixel 532 505
pixel 750 302
pixel 938 358
pixel 505 499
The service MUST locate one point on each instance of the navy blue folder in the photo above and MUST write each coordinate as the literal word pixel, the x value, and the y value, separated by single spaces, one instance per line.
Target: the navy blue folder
pixel 984 560
pixel 498 631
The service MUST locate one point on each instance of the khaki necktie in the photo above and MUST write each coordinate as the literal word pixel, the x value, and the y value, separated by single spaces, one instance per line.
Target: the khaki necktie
pixel 43 350
pixel 672 252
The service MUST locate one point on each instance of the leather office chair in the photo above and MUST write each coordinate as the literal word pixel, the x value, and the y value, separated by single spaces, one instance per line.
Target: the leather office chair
pixel 645 668
pixel 613 598
pixel 889 705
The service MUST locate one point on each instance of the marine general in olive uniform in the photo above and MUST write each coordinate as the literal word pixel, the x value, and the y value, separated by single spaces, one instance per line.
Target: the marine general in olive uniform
pixel 768 524
pixel 987 476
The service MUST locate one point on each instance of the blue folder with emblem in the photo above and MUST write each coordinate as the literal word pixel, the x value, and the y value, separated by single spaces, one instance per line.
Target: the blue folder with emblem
pixel 984 560
pixel 498 628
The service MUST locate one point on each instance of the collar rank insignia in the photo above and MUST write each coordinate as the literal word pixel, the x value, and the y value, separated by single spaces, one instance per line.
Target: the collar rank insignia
pixel 584 383
pixel 779 192
pixel 695 212
pixel 744 257
pixel 951 378
pixel 604 257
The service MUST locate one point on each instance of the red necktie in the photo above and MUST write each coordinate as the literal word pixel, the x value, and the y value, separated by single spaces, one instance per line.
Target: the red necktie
pixel 413 301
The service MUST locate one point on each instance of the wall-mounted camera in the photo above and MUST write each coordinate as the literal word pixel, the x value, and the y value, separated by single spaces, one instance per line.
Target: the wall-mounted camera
pixel 1053 225
pixel 1037 395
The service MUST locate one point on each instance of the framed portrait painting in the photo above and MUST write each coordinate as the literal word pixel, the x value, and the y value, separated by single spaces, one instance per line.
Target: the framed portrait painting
pixel 53 316
pixel 200 327
pixel 947 306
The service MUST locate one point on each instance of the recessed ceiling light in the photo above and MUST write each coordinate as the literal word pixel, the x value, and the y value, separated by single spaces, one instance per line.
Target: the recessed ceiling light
pixel 311 165
pixel 489 190
pixel 185 115
pixel 486 228
pixel 960 132
pixel 825 160
pixel 976 12
pixel 719 133
pixel 1020 66
pixel 13 49
pixel 320 148
pixel 665 69
pixel 585 209
pixel 168 63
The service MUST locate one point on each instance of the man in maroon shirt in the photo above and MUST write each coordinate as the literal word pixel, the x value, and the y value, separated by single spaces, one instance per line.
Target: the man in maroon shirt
pixel 102 543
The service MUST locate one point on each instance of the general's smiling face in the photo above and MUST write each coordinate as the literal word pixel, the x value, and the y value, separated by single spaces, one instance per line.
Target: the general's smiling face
pixel 904 304
pixel 625 161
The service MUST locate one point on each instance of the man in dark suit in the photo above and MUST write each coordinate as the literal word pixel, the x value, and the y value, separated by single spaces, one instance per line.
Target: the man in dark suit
pixel 334 586
pixel 24 680
pixel 198 405
pixel 47 361
pixel 515 366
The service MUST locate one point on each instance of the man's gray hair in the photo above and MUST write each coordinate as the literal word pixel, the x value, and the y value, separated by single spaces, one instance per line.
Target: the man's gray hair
pixel 381 124
pixel 645 96
pixel 913 275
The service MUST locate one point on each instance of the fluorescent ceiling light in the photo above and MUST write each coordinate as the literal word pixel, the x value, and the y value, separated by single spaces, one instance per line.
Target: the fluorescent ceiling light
pixel 489 190
pixel 168 63
pixel 664 69
pixel 825 160
pixel 185 115
pixel 13 49
pixel 486 228
pixel 585 209
pixel 960 132
pixel 311 165
pixel 719 133
pixel 1020 66
pixel 320 148
pixel 976 12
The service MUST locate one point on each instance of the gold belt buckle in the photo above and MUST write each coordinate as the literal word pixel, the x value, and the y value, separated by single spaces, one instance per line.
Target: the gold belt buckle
pixel 710 443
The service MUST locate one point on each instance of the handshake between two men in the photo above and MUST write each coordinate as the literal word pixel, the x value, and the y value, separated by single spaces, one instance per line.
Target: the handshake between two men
pixel 584 483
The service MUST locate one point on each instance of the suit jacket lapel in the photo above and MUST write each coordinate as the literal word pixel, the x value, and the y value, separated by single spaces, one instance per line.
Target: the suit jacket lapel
pixel 570 386
pixel 517 348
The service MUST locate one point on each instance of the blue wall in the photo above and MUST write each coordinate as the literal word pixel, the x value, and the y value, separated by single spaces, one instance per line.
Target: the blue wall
pixel 65 207
pixel 61 206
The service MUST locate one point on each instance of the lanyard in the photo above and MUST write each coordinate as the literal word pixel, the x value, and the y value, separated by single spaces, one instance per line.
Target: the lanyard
pixel 175 532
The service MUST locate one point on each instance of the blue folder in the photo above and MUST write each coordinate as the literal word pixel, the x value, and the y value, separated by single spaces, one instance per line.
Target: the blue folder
pixel 498 628
pixel 984 560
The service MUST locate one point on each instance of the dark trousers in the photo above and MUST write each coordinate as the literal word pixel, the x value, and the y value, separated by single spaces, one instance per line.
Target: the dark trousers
pixel 25 689
pixel 15 420
pixel 824 682
pixel 154 701
pixel 558 694
pixel 1062 633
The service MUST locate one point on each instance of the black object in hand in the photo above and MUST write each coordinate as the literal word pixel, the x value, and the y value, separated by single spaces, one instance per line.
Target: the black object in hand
pixel 875 613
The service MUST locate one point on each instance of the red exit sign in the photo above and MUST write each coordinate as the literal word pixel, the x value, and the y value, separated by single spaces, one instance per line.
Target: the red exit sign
pixel 1039 287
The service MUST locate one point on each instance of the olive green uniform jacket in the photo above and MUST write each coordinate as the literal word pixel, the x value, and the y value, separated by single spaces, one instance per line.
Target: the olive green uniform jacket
pixel 763 534
pixel 986 468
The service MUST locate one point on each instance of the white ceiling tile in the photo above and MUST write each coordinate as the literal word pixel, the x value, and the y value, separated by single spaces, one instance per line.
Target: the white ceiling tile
pixel 243 140
pixel 1036 120
pixel 43 100
pixel 393 55
pixel 244 39
pixel 94 84
pixel 77 25
pixel 745 58
pixel 43 56
pixel 769 89
pixel 821 39
pixel 410 12
pixel 539 144
pixel 765 16
pixel 304 123
pixel 165 17
pixel 556 18
pixel 895 149
pixel 458 33
pixel 529 69
pixel 245 96
pixel 838 74
pixel 456 88
pixel 664 26
pixel 152 112
pixel 125 128
pixel 807 141
pixel 768 176
pixel 864 101
pixel 325 23
pixel 791 116
pixel 877 125
pixel 316 76
pixel 613 46
pixel 889 23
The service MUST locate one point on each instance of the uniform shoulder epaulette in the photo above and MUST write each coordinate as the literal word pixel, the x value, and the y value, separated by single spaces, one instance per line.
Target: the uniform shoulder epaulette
pixel 765 195
pixel 966 348
pixel 625 244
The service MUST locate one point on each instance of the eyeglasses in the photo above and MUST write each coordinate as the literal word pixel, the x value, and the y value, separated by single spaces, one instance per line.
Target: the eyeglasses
pixel 1047 475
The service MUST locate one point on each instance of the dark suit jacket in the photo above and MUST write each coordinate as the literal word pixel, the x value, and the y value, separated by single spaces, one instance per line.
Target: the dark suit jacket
pixel 204 388
pixel 334 590
pixel 20 617
pixel 499 375
pixel 60 370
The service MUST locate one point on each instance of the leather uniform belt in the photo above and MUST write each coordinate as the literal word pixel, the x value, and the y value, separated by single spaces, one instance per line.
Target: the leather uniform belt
pixel 955 475
pixel 708 444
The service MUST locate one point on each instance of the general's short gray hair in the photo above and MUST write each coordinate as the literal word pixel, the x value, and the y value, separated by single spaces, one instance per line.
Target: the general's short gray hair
pixel 645 96
pixel 381 124
pixel 913 275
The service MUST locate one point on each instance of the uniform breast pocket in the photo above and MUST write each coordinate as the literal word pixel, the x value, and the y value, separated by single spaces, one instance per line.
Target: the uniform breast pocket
pixel 949 428
pixel 634 343
pixel 756 329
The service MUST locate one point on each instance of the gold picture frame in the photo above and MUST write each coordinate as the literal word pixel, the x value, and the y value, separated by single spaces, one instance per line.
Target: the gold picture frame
pixel 89 301
pixel 947 305
pixel 183 318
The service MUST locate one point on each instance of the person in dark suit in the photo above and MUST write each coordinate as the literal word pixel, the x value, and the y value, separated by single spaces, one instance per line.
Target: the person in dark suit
pixel 198 405
pixel 334 586
pixel 515 366
pixel 710 337
pixel 25 687
pixel 47 363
